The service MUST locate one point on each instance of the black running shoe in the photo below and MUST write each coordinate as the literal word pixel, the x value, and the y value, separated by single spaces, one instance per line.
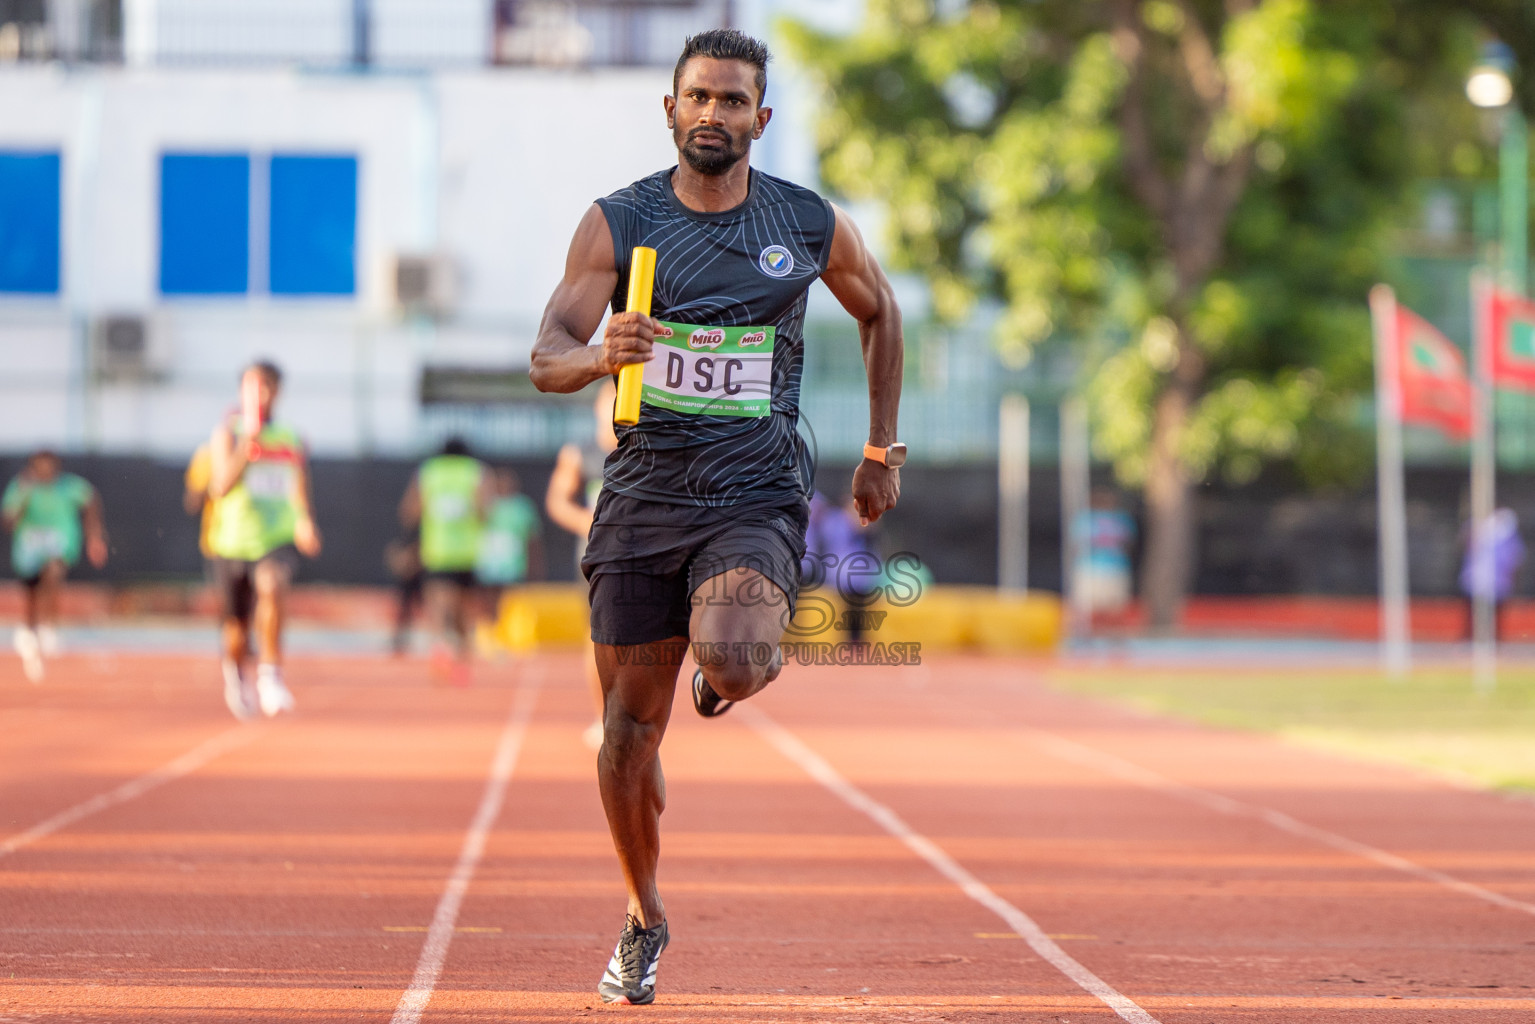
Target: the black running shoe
pixel 705 700
pixel 631 974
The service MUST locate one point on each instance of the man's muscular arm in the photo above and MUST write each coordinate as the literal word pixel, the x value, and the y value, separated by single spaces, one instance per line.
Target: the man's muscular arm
pixel 562 359
pixel 855 278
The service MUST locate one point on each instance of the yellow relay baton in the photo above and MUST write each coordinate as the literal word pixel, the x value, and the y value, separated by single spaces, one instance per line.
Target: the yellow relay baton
pixel 631 376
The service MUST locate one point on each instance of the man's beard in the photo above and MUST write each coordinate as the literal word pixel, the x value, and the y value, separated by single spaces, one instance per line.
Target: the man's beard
pixel 711 162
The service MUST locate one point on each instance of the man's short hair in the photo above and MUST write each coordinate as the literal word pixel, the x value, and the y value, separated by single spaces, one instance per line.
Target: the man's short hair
pixel 726 44
pixel 269 372
pixel 455 445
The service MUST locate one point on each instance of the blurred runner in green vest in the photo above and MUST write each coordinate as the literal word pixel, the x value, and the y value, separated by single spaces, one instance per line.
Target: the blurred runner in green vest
pixel 51 515
pixel 260 521
pixel 448 498
pixel 511 545
pixel 571 501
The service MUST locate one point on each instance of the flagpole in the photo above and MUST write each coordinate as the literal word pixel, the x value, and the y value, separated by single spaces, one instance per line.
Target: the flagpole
pixel 1391 501
pixel 1484 655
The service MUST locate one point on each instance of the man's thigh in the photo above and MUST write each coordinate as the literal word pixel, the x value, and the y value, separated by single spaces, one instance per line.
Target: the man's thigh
pixel 744 581
pixel 272 574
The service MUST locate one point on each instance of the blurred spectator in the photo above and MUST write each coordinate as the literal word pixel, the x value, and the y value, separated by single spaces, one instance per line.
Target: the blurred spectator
pixel 1101 538
pixel 1493 557
pixel 834 541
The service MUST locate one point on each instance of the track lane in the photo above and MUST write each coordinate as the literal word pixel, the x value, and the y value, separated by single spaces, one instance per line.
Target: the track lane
pixel 269 885
pixel 294 879
pixel 1179 900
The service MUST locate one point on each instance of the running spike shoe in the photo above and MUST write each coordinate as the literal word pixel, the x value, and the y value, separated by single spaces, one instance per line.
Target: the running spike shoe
pixel 705 701
pixel 631 974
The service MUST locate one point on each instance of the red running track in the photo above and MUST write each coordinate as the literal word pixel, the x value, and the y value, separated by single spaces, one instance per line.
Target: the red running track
pixel 819 843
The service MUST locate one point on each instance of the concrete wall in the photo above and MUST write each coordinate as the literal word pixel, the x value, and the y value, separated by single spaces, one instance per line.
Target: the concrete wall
pixel 492 168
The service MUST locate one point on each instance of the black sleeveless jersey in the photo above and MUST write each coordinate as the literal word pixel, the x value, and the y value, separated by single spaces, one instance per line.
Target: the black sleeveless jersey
pixel 749 266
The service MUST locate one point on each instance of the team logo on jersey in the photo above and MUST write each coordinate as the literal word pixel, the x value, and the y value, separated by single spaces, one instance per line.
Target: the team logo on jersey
pixel 710 339
pixel 753 339
pixel 776 261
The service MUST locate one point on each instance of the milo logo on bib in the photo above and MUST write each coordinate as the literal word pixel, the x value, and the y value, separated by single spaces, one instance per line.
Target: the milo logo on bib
pixel 711 371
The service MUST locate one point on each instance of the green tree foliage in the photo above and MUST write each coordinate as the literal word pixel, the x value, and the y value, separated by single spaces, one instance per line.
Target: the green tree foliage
pixel 1197 194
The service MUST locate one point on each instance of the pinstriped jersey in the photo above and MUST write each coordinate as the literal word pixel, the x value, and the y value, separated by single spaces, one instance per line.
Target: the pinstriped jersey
pixel 749 267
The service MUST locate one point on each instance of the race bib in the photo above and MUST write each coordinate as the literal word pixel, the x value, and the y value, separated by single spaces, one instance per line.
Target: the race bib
pixel 269 481
pixel 38 544
pixel 711 371
pixel 452 507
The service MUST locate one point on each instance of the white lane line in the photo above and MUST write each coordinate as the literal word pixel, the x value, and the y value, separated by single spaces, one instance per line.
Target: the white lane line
pixel 182 766
pixel 1111 764
pixel 434 951
pixel 817 768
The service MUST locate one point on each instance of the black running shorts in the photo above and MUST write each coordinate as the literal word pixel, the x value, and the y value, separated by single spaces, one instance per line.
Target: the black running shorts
pixel 236 579
pixel 645 559
pixel 463 579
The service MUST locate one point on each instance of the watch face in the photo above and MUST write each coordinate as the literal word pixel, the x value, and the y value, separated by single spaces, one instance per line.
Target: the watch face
pixel 895 456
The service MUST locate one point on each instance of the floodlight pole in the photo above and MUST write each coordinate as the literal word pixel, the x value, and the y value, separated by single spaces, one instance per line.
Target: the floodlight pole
pixel 1013 494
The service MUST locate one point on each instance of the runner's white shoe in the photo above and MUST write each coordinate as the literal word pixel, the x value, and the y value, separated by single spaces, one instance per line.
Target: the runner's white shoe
pixel 236 696
pixel 48 640
pixel 31 653
pixel 271 694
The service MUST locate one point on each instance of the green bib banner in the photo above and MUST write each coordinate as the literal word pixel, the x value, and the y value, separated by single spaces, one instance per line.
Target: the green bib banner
pixel 711 371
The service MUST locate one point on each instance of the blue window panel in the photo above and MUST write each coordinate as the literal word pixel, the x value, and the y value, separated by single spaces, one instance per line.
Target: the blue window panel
pixel 204 223
pixel 313 245
pixel 29 222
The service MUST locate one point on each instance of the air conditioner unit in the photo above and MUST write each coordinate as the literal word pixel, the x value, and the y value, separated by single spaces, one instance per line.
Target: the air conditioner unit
pixel 125 346
pixel 424 283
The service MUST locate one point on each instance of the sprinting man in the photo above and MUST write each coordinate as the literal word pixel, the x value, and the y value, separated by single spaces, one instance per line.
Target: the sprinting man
pixel 51 515
pixel 447 499
pixel 706 497
pixel 570 500
pixel 261 516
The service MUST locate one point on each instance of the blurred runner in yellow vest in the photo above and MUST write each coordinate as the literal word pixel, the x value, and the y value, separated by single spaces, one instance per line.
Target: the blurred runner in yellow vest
pixel 195 498
pixel 448 498
pixel 259 486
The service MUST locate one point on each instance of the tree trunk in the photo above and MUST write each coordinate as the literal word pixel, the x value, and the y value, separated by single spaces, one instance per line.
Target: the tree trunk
pixel 1169 555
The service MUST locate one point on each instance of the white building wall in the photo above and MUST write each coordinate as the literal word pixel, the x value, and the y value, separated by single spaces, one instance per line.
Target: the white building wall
pixel 492 168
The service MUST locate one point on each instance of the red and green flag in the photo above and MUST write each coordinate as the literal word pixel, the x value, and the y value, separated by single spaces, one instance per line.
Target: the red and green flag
pixel 1432 373
pixel 1510 326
